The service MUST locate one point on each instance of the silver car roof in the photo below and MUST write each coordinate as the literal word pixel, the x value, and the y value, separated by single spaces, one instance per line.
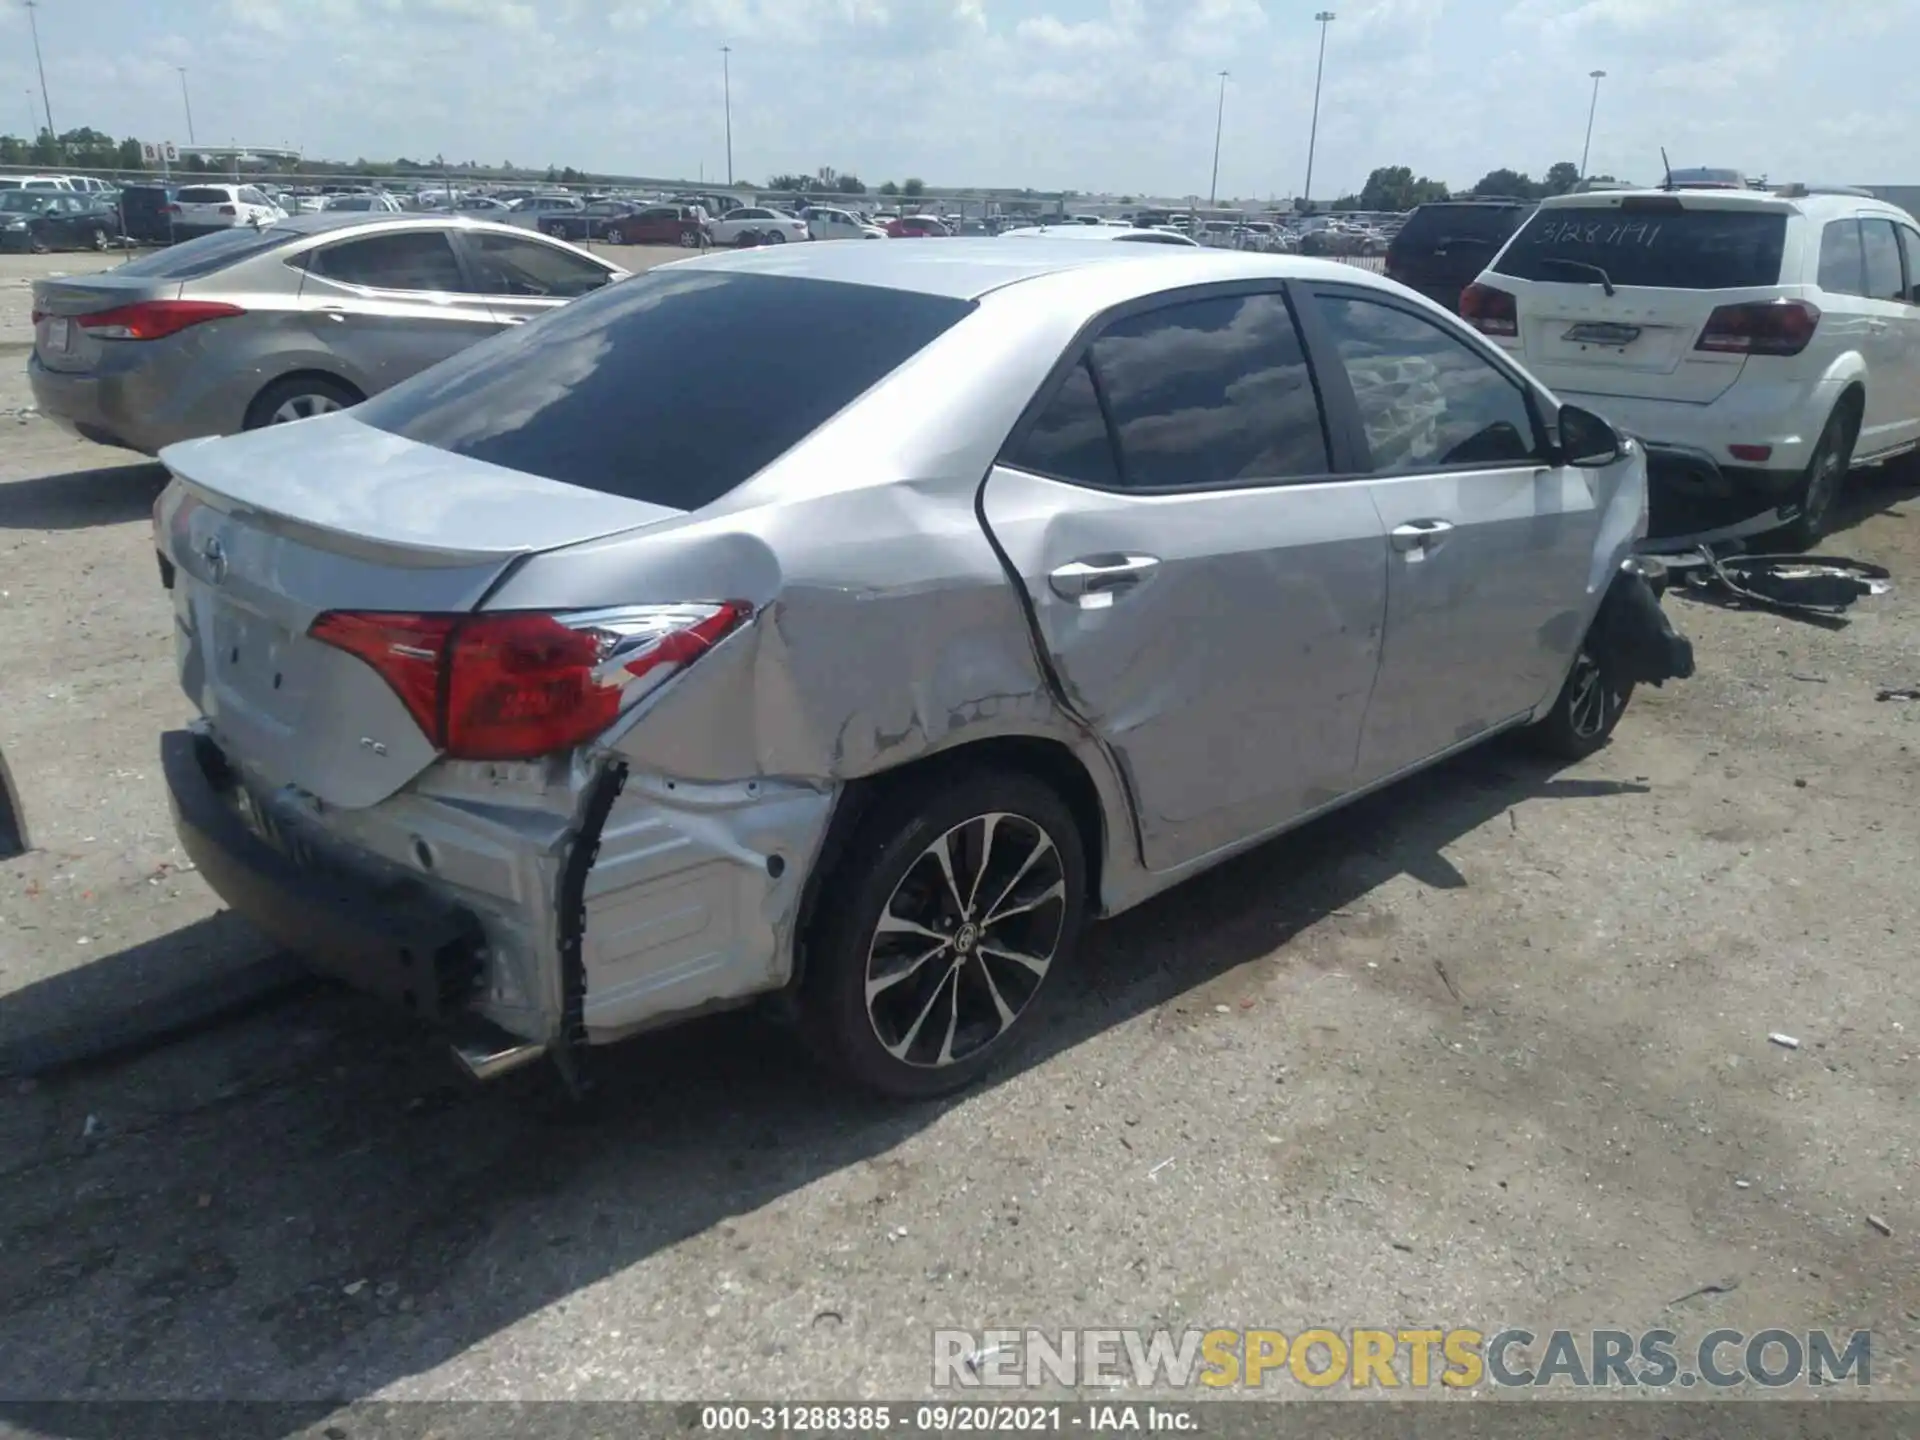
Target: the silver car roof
pixel 968 269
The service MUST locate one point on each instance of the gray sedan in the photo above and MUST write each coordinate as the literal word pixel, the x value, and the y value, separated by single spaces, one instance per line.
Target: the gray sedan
pixel 844 625
pixel 250 327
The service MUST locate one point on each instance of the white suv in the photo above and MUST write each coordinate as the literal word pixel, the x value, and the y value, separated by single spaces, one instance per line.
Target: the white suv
pixel 1761 342
pixel 201 208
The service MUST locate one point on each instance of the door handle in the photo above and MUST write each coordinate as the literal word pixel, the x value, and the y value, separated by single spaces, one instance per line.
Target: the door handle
pixel 335 313
pixel 1093 581
pixel 1419 534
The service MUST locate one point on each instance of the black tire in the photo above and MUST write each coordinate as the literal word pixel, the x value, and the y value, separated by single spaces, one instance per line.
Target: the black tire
pixel 559 232
pixel 99 239
pixel 1825 477
pixel 614 236
pixel 746 240
pixel 1584 713
pixel 890 866
pixel 268 405
pixel 776 237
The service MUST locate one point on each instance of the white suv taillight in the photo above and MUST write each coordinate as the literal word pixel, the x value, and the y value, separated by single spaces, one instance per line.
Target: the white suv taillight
pixel 1764 327
pixel 520 684
pixel 1490 310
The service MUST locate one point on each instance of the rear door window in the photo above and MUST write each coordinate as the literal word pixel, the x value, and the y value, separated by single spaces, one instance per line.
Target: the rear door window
pixel 1069 440
pixel 672 387
pixel 1843 262
pixel 1211 393
pixel 1662 249
pixel 514 265
pixel 1910 248
pixel 204 195
pixel 404 260
pixel 1882 250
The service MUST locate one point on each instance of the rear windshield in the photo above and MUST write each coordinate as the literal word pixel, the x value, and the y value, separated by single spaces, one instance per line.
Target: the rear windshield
pixel 1451 224
pixel 192 259
pixel 672 387
pixel 204 195
pixel 1662 249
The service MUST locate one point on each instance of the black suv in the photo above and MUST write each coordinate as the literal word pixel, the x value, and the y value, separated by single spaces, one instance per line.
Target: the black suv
pixel 1444 246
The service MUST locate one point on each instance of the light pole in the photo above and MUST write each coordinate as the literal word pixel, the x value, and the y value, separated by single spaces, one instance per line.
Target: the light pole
pixel 34 25
pixel 726 83
pixel 1213 185
pixel 186 101
pixel 1326 18
pixel 1596 76
pixel 33 120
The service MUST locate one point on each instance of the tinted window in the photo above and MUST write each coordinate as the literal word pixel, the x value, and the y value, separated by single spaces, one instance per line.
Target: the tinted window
pixel 1843 262
pixel 1487 225
pixel 1070 438
pixel 1661 248
pixel 1910 245
pixel 1212 392
pixel 193 259
pixel 1426 398
pixel 659 213
pixel 204 195
pixel 511 265
pixel 1883 260
pixel 406 260
pixel 671 387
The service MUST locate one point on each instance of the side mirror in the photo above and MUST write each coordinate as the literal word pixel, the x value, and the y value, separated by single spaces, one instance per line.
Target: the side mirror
pixel 1587 440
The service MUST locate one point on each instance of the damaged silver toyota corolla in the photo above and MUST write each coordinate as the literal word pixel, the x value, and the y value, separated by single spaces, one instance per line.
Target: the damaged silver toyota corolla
pixel 850 623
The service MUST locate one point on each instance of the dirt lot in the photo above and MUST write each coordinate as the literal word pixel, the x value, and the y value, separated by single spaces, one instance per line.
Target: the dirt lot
pixel 1489 1048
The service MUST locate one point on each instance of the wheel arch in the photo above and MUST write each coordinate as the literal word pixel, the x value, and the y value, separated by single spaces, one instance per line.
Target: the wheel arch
pixel 1044 758
pixel 305 372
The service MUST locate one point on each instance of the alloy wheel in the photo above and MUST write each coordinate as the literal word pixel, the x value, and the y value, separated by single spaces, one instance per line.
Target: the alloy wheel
pixel 965 940
pixel 301 407
pixel 1587 698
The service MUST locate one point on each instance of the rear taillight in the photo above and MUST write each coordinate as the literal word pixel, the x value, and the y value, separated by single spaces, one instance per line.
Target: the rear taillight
pixel 518 685
pixel 153 319
pixel 1762 327
pixel 228 210
pixel 1490 311
pixel 173 209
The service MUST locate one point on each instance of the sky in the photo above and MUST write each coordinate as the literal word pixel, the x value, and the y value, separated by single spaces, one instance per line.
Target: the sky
pixel 1113 96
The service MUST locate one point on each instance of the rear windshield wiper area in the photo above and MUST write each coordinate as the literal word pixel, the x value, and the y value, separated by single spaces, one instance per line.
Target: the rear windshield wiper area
pixel 1606 281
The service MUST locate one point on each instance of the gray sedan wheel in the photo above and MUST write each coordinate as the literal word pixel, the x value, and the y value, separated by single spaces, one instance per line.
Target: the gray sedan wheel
pixel 941 929
pixel 299 397
pixel 776 237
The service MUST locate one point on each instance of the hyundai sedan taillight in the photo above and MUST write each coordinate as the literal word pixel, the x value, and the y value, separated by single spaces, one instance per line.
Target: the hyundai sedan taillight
pixel 153 319
pixel 521 684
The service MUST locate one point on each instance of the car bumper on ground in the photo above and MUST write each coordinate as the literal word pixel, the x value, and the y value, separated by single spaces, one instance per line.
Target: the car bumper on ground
pixel 406 946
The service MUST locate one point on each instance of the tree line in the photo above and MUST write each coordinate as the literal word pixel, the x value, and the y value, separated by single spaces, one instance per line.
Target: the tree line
pixel 1395 187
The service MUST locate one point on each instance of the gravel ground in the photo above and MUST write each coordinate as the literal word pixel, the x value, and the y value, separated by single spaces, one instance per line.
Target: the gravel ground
pixel 1489 1048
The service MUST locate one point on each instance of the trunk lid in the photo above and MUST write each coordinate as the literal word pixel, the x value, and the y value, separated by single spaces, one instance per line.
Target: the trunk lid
pixel 267 530
pixel 61 345
pixel 1613 290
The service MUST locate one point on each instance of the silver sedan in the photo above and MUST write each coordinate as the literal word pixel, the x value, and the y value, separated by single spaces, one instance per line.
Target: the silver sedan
pixel 253 326
pixel 846 625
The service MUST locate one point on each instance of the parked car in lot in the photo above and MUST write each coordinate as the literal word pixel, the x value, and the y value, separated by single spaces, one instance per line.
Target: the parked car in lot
pixel 144 213
pixel 254 327
pixel 1763 342
pixel 40 220
pixel 1443 246
pixel 1094 234
pixel 200 209
pixel 826 223
pixel 757 225
pixel 481 205
pixel 537 212
pixel 685 225
pixel 915 227
pixel 592 221
pixel 370 203
pixel 851 625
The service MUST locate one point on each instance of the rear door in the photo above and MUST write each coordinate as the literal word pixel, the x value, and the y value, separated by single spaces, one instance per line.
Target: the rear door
pixel 1909 319
pixel 1208 589
pixel 1490 545
pixel 391 304
pixel 1889 420
pixel 1613 292
pixel 521 278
